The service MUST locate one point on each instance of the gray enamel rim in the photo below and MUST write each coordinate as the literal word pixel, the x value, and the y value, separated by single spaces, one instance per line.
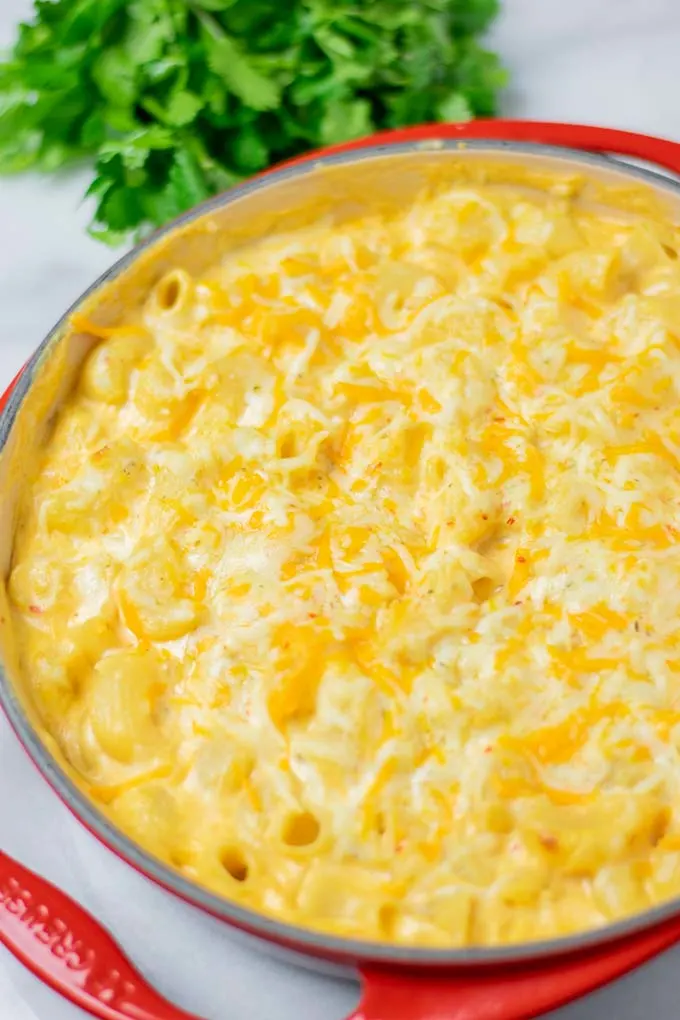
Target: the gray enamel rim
pixel 306 940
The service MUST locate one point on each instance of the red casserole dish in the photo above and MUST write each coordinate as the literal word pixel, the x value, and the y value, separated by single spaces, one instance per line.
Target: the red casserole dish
pixel 66 948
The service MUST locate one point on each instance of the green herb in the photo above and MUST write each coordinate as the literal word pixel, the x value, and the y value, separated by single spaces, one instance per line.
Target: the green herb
pixel 178 99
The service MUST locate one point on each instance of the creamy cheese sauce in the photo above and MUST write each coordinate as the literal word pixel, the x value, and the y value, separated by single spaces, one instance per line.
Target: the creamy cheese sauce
pixel 349 579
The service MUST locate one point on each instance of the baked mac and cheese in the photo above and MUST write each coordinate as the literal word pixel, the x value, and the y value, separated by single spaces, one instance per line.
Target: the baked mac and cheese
pixel 349 578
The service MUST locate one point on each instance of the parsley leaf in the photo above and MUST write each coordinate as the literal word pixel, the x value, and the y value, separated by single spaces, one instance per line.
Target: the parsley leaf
pixel 240 74
pixel 174 100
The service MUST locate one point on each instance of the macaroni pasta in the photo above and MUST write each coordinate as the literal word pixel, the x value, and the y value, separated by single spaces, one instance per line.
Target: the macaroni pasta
pixel 348 581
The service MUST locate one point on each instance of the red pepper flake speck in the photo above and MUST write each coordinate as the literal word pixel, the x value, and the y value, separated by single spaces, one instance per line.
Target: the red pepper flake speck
pixel 521 559
pixel 549 842
pixel 511 521
pixel 35 609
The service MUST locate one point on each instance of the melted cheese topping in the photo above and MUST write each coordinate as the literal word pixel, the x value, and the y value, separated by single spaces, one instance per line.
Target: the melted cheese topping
pixel 349 581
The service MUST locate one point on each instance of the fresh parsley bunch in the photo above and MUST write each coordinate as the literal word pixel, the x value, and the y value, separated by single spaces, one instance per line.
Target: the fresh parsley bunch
pixel 178 99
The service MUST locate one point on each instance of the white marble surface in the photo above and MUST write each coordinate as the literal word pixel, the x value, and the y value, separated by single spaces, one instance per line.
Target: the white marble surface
pixel 612 62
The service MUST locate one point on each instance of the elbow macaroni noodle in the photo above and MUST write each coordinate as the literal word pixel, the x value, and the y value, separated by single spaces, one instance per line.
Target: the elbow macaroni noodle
pixel 349 578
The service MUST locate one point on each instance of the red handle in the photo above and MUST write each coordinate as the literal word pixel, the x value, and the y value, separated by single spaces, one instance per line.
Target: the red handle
pixel 510 993
pixel 572 136
pixel 67 949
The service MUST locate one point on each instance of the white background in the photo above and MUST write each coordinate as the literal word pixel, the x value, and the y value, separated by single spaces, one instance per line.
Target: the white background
pixel 611 62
